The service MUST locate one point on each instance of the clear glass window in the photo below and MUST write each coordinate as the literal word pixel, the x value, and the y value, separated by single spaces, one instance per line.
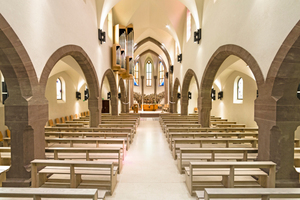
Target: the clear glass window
pixel 136 74
pixel 58 89
pixel 240 89
pixel 161 74
pixel 149 73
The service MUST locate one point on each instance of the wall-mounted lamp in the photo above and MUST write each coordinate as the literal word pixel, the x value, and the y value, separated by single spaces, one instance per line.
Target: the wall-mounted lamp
pixel 119 95
pixel 197 36
pixel 220 95
pixel 101 36
pixel 108 95
pixel 86 94
pixel 167 74
pixel 190 95
pixel 178 95
pixel 78 95
pixel 179 58
pixel 257 94
pixel 213 94
pixel 171 69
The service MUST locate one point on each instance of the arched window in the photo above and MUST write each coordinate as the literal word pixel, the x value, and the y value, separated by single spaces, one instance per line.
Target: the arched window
pixel 188 24
pixel 240 89
pixel 161 74
pixel 136 74
pixel 58 89
pixel 149 73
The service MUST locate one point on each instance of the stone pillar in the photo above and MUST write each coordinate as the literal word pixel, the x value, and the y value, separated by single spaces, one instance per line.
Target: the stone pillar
pixel 155 88
pixel 127 96
pixel 278 120
pixel 131 93
pixel 142 84
pixel 94 105
pixel 204 111
pixel 114 103
pixel 166 90
pixel 26 120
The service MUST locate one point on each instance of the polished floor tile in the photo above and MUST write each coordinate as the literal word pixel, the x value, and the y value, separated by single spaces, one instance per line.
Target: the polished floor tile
pixel 149 170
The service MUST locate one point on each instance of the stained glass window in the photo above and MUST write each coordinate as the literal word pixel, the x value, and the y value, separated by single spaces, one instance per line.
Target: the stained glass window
pixel 161 74
pixel 149 73
pixel 58 89
pixel 136 74
pixel 240 89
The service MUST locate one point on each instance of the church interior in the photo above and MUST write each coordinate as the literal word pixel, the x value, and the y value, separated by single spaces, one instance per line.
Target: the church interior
pixel 149 99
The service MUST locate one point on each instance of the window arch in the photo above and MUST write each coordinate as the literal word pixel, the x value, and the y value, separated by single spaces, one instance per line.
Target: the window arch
pixel 149 73
pixel 136 74
pixel 59 88
pixel 161 74
pixel 240 89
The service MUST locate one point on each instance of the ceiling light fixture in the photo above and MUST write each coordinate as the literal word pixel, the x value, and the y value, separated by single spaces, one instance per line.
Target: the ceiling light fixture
pixel 168 27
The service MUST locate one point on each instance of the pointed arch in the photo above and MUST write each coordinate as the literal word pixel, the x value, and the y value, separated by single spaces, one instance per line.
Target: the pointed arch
pixel 109 74
pixel 211 70
pixel 185 89
pixel 89 72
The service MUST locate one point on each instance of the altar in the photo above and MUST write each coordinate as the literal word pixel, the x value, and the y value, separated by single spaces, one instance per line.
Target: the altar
pixel 150 107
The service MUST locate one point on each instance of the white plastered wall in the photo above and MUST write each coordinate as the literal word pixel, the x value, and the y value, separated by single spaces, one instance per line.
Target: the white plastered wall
pixel 260 27
pixel 70 105
pixel 45 26
pixel 242 113
pixel 193 103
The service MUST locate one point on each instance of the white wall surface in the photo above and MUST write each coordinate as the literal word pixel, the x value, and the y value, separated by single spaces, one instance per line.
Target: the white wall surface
pixel 71 106
pixel 241 113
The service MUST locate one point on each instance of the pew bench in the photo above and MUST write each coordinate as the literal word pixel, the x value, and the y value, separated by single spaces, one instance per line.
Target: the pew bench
pixel 70 125
pixel 187 155
pixel 201 175
pixel 118 143
pixel 5 155
pixel 104 154
pixel 57 193
pixel 181 125
pixel 172 136
pixel 78 122
pixel 3 170
pixel 246 193
pixel 126 136
pixel 230 125
pixel 131 126
pixel 186 143
pixel 102 175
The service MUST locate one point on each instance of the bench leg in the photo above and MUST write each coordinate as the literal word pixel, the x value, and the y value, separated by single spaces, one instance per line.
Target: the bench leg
pixel 42 179
pixel 78 179
pixel 37 197
pixel 2 178
pixel 265 197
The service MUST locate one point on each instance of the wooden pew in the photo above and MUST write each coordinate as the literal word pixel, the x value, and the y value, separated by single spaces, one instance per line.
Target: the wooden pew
pixel 4 155
pixel 104 154
pixel 78 122
pixel 75 169
pixel 230 125
pixel 241 172
pixel 181 125
pixel 183 143
pixel 126 136
pixel 57 193
pixel 84 129
pixel 187 155
pixel 246 193
pixel 3 170
pixel 70 125
pixel 172 136
pixel 96 141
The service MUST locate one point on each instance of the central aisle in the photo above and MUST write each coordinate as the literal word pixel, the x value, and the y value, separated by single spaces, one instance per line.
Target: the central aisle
pixel 149 171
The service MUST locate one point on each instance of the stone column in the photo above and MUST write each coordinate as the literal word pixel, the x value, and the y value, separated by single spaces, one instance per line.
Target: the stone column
pixel 155 87
pixel 166 90
pixel 114 103
pixel 278 120
pixel 142 84
pixel 94 105
pixel 128 82
pixel 204 111
pixel 131 93
pixel 171 98
pixel 26 120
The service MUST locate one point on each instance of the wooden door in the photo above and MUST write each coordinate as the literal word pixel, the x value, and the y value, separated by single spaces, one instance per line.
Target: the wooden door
pixel 105 106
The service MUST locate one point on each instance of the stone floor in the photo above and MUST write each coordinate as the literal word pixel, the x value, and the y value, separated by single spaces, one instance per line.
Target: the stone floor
pixel 149 171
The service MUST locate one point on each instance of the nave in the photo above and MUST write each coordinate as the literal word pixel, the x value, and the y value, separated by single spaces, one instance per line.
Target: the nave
pixel 149 170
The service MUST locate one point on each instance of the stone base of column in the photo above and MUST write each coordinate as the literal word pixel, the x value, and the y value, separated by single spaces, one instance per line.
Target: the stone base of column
pixel 291 183
pixel 16 182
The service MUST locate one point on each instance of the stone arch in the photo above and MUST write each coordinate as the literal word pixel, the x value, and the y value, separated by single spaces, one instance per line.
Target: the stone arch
pixel 175 99
pixel 211 70
pixel 123 95
pixel 165 70
pixel 89 72
pixel 277 110
pixel 157 43
pixel 113 89
pixel 25 108
pixel 185 88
